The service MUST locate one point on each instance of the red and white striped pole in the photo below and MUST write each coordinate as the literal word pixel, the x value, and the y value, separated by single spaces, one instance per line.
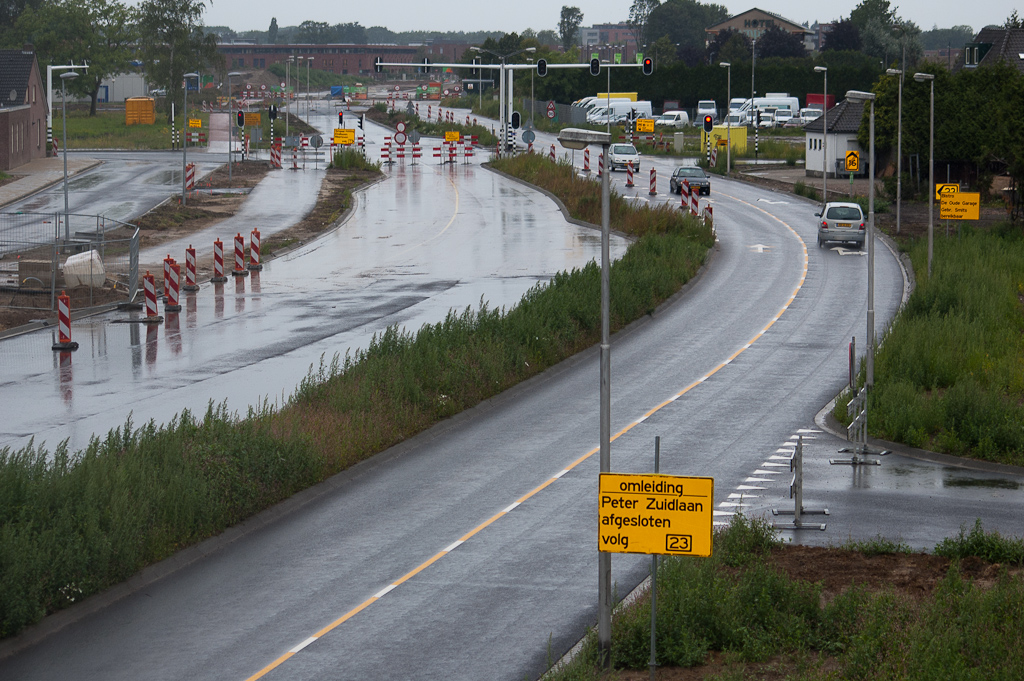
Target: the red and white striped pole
pixel 552 154
pixel 167 272
pixel 600 165
pixel 218 262
pixel 240 270
pixel 64 324
pixel 149 286
pixel 654 182
pixel 172 304
pixel 684 195
pixel 586 160
pixel 190 270
pixel 694 201
pixel 629 175
pixel 254 250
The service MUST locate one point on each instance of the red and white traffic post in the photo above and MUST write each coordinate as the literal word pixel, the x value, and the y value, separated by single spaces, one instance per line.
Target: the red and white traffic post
pixel 171 303
pixel 254 251
pixel 240 270
pixel 64 341
pixel 586 160
pixel 629 175
pixel 218 262
pixel 149 287
pixel 654 182
pixel 190 270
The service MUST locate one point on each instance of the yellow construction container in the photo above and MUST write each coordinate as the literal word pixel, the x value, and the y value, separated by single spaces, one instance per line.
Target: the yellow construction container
pixel 719 134
pixel 139 111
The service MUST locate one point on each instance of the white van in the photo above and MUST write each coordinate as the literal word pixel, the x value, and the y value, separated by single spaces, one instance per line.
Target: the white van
pixel 736 103
pixel 777 100
pixel 706 107
pixel 620 111
pixel 673 119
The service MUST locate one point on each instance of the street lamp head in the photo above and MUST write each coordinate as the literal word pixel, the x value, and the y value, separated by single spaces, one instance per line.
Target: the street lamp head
pixel 233 73
pixel 893 72
pixel 860 96
pixel 530 49
pixel 69 75
pixel 821 69
pixel 191 75
pixel 922 77
pixel 578 138
pixel 724 64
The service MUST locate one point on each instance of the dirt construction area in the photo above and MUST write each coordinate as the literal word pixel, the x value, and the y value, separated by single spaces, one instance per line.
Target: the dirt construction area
pixel 171 221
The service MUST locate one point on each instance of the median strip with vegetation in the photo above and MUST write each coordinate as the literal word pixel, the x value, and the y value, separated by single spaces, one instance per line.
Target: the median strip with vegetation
pixel 73 524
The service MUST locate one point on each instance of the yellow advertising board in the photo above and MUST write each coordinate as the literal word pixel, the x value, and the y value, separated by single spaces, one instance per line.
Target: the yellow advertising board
pixel 853 161
pixel 947 188
pixel 960 206
pixel 344 136
pixel 655 514
pixel 645 125
pixel 195 123
pixel 252 119
pixel 451 136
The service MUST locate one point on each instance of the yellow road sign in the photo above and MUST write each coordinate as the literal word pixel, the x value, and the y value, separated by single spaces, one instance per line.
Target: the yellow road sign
pixel 344 136
pixel 252 119
pixel 655 514
pixel 853 161
pixel 645 125
pixel 942 189
pixel 195 123
pixel 451 136
pixel 960 206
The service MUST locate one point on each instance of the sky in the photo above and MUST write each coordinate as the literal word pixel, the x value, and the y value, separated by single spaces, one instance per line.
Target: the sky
pixel 465 15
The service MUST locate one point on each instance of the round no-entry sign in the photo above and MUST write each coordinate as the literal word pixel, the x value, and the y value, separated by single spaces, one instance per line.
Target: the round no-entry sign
pixel 400 138
pixel 396 88
pixel 400 126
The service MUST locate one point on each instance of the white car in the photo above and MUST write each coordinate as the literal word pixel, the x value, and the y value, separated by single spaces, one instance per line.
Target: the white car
pixel 673 119
pixel 807 115
pixel 621 155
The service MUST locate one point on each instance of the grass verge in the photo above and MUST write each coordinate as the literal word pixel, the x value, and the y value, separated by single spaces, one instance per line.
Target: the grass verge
pixel 738 611
pixel 72 524
pixel 950 375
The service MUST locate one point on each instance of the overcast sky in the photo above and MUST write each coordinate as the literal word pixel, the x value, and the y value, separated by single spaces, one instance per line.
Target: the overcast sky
pixel 465 15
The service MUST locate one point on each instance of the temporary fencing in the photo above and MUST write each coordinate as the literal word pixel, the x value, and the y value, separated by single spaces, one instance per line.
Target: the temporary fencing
pixel 42 253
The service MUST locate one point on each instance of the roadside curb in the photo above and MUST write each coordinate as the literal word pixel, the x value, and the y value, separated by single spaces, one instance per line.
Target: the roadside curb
pixel 44 187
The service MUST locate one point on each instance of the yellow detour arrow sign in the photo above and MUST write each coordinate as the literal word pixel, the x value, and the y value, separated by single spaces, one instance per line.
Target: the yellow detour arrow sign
pixel 960 206
pixel 645 125
pixel 344 136
pixel 655 514
pixel 451 136
pixel 943 189
pixel 195 123
pixel 853 161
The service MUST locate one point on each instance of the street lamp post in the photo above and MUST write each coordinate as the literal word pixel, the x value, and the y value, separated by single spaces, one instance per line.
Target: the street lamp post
pixel 64 78
pixel 728 123
pixel 824 135
pixel 920 78
pixel 308 60
pixel 287 68
pixel 899 146
pixel 859 96
pixel 576 138
pixel 231 124
pixel 532 104
pixel 184 138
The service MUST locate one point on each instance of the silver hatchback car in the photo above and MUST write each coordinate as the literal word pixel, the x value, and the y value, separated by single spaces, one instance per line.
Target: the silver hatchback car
pixel 841 222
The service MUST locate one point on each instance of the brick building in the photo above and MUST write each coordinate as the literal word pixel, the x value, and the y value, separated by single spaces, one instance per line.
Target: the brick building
pixel 22 108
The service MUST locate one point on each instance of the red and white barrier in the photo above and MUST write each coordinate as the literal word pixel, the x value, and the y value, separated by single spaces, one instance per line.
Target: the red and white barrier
pixel 254 250
pixel 149 287
pixel 600 165
pixel 218 262
pixel 684 195
pixel 64 341
pixel 167 272
pixel 190 270
pixel 275 156
pixel 694 202
pixel 385 155
pixel 586 160
pixel 190 176
pixel 714 157
pixel 417 153
pixel 629 175
pixel 295 158
pixel 171 304
pixel 551 154
pixel 239 270
pixel 654 182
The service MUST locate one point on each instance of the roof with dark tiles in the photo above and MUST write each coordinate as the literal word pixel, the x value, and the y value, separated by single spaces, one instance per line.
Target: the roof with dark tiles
pixel 15 70
pixel 1007 45
pixel 844 117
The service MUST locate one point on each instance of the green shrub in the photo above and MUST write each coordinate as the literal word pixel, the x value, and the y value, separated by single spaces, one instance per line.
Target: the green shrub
pixel 989 546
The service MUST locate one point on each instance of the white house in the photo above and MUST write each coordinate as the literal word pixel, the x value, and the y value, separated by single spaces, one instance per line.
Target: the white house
pixel 843 122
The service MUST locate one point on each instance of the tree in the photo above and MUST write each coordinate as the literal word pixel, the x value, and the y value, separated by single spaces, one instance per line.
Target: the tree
pixel 10 10
pixel 844 36
pixel 569 26
pixel 173 42
pixel 639 16
pixel 939 38
pixel 549 38
pixel 776 42
pixel 683 21
pixel 272 31
pixel 867 10
pixel 663 52
pixel 100 32
pixel 352 33
pixel 315 32
pixel 1013 21
pixel 730 46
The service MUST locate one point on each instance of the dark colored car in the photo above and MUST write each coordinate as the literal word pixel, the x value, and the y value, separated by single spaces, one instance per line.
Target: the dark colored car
pixel 695 176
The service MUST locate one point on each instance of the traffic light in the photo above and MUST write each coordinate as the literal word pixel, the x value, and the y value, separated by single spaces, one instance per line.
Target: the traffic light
pixel 426 66
pixel 341 118
pixel 516 120
pixel 595 67
pixel 542 67
pixel 272 112
pixel 240 119
pixel 362 121
pixel 709 123
pixel 377 64
pixel 475 71
pixel 648 66
pixel 757 123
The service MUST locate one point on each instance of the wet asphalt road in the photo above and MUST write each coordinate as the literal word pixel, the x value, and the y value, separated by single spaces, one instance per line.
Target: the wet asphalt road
pixel 470 552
